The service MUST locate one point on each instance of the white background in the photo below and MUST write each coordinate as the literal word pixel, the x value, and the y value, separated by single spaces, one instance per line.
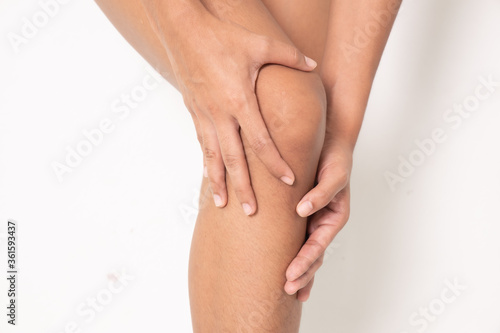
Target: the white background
pixel 128 208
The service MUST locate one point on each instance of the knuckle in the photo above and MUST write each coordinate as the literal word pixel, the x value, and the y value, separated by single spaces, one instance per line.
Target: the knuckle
pixel 308 261
pixel 231 161
pixel 240 191
pixel 322 195
pixel 318 248
pixel 294 54
pixel 265 45
pixel 210 154
pixel 212 108
pixel 259 144
pixel 237 101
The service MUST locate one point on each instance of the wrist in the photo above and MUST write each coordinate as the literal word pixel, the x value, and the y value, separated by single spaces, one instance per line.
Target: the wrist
pixel 339 153
pixel 343 124
pixel 340 141
pixel 346 101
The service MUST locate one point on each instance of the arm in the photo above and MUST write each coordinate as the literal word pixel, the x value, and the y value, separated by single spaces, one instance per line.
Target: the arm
pixel 357 35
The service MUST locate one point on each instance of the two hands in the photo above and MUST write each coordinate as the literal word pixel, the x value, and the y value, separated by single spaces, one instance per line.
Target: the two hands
pixel 218 87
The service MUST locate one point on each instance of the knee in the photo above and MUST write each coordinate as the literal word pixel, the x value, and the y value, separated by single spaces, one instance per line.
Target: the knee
pixel 293 105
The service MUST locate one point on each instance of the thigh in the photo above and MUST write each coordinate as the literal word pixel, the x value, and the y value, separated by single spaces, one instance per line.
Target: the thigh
pixel 302 23
pixel 305 22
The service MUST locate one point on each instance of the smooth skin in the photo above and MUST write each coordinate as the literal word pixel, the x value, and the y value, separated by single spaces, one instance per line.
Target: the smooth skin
pixel 243 260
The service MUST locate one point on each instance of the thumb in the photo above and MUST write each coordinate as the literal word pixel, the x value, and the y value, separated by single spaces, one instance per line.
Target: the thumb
pixel 288 55
pixel 321 195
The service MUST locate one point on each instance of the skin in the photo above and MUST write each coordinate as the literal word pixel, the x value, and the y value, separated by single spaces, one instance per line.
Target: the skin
pixel 220 105
pixel 249 270
pixel 347 70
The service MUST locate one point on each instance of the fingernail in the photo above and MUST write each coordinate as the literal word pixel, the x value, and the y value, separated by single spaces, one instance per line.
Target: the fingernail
pixel 304 208
pixel 287 180
pixel 247 208
pixel 205 172
pixel 217 200
pixel 310 62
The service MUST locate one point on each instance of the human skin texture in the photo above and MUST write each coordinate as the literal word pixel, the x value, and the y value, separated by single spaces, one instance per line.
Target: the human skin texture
pixel 250 273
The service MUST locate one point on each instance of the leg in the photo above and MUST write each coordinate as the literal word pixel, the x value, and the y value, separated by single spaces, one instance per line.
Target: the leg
pixel 302 22
pixel 237 264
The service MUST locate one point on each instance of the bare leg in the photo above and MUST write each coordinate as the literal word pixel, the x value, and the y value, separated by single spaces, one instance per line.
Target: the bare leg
pixel 237 263
pixel 302 22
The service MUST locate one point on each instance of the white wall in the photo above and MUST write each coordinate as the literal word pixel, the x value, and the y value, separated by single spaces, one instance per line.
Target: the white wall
pixel 127 209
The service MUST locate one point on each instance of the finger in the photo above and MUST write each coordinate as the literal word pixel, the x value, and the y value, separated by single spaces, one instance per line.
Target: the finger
pixel 260 141
pixel 291 287
pixel 312 249
pixel 323 193
pixel 337 212
pixel 315 245
pixel 322 229
pixel 199 136
pixel 304 293
pixel 197 127
pixel 214 165
pixel 278 52
pixel 236 165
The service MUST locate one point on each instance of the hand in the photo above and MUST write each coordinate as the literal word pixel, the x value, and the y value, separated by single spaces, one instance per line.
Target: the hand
pixel 216 66
pixel 327 206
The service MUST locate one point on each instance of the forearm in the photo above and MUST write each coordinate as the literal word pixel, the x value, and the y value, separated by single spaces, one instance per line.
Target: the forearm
pixel 171 17
pixel 357 35
pixel 138 24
